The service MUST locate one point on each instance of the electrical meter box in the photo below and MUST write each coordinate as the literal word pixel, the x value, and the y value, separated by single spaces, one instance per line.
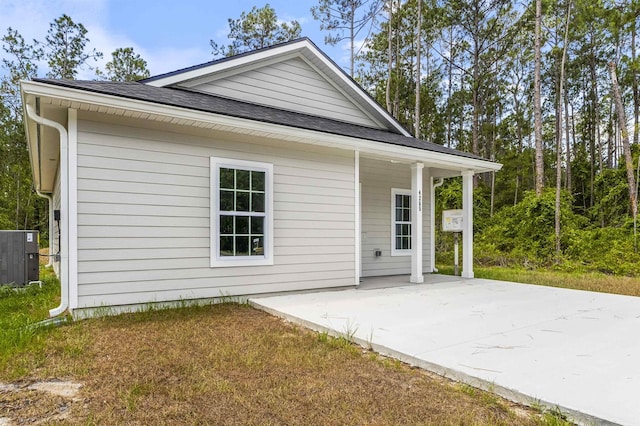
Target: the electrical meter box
pixel 19 258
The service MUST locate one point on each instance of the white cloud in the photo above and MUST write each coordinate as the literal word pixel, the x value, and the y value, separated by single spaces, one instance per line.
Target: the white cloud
pixel 31 18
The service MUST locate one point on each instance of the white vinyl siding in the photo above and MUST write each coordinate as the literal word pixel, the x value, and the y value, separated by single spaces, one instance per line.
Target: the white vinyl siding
pixel 290 85
pixel 144 216
pixel 378 178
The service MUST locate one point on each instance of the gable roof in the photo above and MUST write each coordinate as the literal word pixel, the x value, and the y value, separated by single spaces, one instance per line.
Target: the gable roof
pixel 302 49
pixel 224 106
pixel 177 103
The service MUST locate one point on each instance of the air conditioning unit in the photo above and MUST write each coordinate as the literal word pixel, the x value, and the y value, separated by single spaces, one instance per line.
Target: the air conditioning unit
pixel 19 258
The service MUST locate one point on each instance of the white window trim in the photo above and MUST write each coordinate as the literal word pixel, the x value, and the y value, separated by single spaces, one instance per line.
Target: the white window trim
pixel 235 261
pixel 394 251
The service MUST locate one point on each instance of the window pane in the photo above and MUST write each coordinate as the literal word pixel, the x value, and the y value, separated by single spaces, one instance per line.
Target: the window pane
pixel 242 201
pixel 226 178
pixel 398 243
pixel 405 243
pixel 257 248
pixel 406 230
pixel 257 181
pixel 226 246
pixel 242 246
pixel 257 225
pixel 257 202
pixel 406 215
pixel 242 225
pixel 226 224
pixel 398 229
pixel 242 179
pixel 398 215
pixel 226 201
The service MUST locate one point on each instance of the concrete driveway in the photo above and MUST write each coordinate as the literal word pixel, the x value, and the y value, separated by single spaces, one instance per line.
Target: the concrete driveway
pixel 574 349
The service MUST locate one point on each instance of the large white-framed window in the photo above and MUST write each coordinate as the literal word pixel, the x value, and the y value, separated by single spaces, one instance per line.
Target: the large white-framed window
pixel 400 222
pixel 241 213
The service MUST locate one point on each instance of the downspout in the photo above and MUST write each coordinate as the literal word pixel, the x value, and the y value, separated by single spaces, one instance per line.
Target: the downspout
pixel 64 138
pixel 49 198
pixel 433 223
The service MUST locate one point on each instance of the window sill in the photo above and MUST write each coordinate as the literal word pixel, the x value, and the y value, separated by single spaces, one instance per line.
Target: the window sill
pixel 398 253
pixel 241 262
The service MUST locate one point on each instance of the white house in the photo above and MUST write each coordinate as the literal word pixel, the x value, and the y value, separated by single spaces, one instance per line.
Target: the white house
pixel 265 172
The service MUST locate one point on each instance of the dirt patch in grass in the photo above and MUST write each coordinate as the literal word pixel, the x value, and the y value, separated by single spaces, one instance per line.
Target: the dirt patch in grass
pixel 24 405
pixel 231 364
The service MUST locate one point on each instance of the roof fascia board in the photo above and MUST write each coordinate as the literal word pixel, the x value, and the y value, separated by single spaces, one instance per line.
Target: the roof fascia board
pixel 241 125
pixel 31 132
pixel 240 61
pixel 224 72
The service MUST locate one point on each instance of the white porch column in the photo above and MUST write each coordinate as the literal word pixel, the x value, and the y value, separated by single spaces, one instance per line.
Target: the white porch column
pixel 432 225
pixel 416 223
pixel 467 223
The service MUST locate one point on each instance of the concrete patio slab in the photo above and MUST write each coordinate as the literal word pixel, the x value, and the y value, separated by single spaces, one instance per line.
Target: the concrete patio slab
pixel 573 349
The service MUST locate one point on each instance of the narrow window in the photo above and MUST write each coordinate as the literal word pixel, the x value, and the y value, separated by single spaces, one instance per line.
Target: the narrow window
pixel 400 222
pixel 241 209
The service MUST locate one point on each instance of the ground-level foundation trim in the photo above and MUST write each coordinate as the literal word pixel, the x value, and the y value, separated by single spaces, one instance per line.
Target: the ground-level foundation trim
pixel 507 393
pixel 106 311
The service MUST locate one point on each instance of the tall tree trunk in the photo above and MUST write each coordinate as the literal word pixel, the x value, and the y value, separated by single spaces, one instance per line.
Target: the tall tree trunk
pixel 537 105
pixel 559 132
pixel 567 181
pixel 636 93
pixel 596 110
pixel 396 94
pixel 416 121
pixel 390 56
pixel 450 86
pixel 352 36
pixel 622 124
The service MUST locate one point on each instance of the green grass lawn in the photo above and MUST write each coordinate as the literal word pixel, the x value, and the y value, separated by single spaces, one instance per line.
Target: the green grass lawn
pixel 590 281
pixel 220 364
pixel 21 308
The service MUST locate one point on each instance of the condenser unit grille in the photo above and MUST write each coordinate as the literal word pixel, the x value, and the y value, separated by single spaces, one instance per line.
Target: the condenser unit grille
pixel 19 258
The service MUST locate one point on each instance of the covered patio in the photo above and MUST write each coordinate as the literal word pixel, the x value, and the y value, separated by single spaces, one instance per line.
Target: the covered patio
pixel 396 214
pixel 573 349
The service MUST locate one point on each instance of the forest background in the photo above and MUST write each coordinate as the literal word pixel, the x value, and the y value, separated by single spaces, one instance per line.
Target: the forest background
pixel 547 88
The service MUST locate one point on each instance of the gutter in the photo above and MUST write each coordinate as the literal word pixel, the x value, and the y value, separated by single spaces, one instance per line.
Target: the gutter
pixel 49 198
pixel 64 139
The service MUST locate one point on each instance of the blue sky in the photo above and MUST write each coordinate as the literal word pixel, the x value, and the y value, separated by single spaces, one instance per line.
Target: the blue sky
pixel 168 34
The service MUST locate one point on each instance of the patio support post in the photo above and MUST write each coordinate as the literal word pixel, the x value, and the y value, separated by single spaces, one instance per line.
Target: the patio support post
pixel 432 216
pixel 416 223
pixel 467 223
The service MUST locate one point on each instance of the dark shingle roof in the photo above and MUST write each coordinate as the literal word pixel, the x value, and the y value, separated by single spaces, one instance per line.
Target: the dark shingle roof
pixel 231 107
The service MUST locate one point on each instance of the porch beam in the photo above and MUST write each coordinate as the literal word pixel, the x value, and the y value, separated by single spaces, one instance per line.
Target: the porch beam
pixel 416 223
pixel 467 223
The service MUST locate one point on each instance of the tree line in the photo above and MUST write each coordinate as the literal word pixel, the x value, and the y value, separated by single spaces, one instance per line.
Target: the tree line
pixel 547 88
pixel 65 52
